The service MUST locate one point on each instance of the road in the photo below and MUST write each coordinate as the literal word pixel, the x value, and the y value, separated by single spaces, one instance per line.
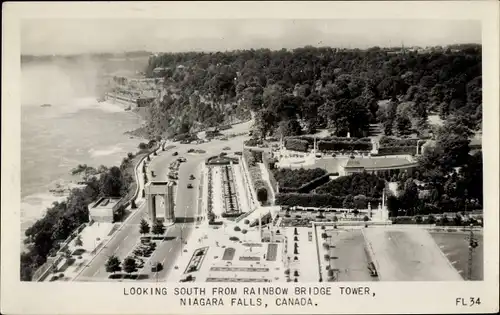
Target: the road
pixel 125 239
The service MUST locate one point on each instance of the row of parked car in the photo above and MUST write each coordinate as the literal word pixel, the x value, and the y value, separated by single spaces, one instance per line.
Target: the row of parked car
pixel 145 249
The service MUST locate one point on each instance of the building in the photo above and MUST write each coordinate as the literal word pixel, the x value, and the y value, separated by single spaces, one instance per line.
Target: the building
pixel 144 101
pixel 165 192
pixel 103 209
pixel 379 165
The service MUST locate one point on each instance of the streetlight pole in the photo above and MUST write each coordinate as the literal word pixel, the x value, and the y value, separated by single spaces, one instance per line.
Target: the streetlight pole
pixel 182 242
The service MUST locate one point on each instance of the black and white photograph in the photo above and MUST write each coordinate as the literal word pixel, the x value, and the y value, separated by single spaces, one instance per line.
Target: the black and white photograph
pixel 188 152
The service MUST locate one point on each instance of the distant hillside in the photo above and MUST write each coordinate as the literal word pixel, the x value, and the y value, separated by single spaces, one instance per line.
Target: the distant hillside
pixel 318 87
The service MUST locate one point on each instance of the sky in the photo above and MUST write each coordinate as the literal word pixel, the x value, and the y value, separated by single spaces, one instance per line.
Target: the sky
pixel 65 36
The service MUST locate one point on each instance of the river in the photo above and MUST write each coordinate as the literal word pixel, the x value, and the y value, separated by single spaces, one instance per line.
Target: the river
pixel 74 129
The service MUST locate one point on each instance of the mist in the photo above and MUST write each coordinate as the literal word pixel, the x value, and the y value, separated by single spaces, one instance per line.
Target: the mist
pixel 58 82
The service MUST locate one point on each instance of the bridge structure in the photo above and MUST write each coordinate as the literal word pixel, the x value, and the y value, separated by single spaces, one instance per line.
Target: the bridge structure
pixel 165 191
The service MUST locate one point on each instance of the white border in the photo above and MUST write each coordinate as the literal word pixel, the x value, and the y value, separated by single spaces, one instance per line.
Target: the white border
pixel 101 298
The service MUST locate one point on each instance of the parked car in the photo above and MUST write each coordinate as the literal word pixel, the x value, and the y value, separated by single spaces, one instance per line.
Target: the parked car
pixel 157 267
pixel 140 262
pixel 238 153
pixel 226 148
pixel 189 186
pixel 175 153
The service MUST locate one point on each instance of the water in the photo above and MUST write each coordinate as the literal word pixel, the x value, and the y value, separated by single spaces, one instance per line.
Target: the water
pixel 75 129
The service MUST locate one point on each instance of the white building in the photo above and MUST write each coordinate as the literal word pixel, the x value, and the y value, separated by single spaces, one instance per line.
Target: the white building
pixel 103 209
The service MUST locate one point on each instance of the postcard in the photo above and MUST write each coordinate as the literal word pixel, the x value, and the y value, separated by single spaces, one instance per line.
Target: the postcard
pixel 254 157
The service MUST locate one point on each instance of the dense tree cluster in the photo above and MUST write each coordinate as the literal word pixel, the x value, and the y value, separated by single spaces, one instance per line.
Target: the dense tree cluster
pixel 295 178
pixel 295 144
pixel 366 184
pixel 43 238
pixel 453 176
pixel 292 91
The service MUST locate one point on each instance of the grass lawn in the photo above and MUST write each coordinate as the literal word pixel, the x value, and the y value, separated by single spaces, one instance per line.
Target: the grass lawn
pixel 455 247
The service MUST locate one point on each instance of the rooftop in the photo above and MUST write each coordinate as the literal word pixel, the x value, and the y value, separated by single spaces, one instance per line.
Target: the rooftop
pixel 106 202
pixel 378 162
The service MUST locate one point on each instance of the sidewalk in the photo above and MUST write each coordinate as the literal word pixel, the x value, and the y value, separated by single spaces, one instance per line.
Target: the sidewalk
pixel 93 237
pixel 307 264
pixel 105 239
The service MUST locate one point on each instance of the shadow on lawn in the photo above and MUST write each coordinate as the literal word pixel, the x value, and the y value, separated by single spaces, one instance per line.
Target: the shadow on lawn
pixel 128 276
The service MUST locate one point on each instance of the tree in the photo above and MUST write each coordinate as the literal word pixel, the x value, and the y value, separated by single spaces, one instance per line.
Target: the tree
pixel 290 127
pixel 360 202
pixel 409 198
pixel 143 146
pixel 144 227
pixel 262 194
pixel 330 274
pixel 348 202
pixel 454 143
pixel 211 217
pixel 129 265
pixel 349 116
pixel 78 241
pixel 366 218
pixel 158 227
pixel 403 125
pixel 113 264
pixel 132 204
pixel 159 266
pixel 112 183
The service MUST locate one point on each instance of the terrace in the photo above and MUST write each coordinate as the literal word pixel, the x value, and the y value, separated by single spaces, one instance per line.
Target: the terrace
pixel 228 257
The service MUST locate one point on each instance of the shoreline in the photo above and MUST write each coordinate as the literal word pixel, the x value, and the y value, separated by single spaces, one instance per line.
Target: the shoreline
pixel 59 189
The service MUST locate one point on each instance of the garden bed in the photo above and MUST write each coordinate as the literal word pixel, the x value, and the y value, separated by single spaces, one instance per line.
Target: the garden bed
pixel 228 253
pixel 243 269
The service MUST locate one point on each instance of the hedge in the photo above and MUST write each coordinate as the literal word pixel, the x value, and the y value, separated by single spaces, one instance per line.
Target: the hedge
pixel 252 142
pixel 317 200
pixel 296 145
pixel 310 139
pixel 412 150
pixel 261 188
pixel 269 163
pixel 336 145
pixel 309 200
